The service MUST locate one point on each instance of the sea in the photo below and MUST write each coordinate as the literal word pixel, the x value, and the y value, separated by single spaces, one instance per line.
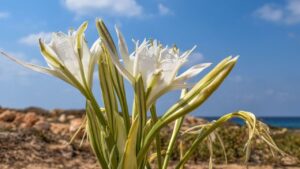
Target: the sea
pixel 281 122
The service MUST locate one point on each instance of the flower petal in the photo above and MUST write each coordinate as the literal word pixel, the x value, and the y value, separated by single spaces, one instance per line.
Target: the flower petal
pixel 118 65
pixel 37 68
pixel 122 46
pixel 88 62
pixel 191 72
pixel 49 55
pixel 95 51
pixel 64 47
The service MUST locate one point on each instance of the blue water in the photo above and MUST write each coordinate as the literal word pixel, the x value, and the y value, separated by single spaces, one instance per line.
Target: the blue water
pixel 283 122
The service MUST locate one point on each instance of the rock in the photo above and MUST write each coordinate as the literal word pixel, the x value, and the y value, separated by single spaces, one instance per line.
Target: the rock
pixel 29 120
pixel 42 125
pixel 62 118
pixel 8 116
pixel 19 118
pixel 7 126
pixel 66 150
pixel 289 161
pixel 70 117
pixel 58 128
pixel 75 124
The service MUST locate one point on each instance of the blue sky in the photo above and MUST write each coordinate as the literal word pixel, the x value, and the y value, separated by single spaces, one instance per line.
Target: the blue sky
pixel 266 35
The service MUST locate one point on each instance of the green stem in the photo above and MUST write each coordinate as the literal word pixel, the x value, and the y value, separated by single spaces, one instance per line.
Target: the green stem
pixel 177 126
pixel 154 119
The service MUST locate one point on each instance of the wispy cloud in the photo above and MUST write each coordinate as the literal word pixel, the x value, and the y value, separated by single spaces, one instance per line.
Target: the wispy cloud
pixel 4 15
pixel 289 13
pixel 32 39
pixel 194 58
pixel 128 8
pixel 164 10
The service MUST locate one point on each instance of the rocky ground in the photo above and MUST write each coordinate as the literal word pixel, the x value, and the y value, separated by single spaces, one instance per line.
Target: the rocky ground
pixel 34 138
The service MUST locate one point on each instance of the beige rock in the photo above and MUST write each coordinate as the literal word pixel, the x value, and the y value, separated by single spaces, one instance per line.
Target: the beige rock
pixel 42 125
pixel 19 118
pixel 8 116
pixel 75 124
pixel 30 119
pixel 289 161
pixel 7 126
pixel 70 117
pixel 62 118
pixel 58 128
pixel 66 150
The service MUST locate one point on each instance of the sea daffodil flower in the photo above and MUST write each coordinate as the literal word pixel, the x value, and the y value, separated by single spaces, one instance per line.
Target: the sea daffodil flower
pixel 68 58
pixel 157 65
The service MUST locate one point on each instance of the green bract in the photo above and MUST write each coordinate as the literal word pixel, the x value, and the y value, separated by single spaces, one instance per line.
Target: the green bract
pixel 121 142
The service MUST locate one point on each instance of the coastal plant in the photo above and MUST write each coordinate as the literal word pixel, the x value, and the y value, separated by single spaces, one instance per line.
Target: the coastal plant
pixel 119 137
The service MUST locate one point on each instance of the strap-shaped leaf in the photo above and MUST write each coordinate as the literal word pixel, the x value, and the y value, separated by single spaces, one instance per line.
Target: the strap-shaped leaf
pixel 110 102
pixel 95 138
pixel 129 160
pixel 140 108
pixel 118 81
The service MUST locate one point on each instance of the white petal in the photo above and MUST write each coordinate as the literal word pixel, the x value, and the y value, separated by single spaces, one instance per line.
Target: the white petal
pixel 122 46
pixel 191 72
pixel 86 60
pixel 64 47
pixel 37 68
pixel 49 55
pixel 186 54
pixel 118 65
pixel 128 62
pixel 138 51
pixel 96 50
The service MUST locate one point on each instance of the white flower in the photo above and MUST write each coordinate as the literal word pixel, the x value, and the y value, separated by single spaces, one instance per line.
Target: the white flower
pixel 158 67
pixel 68 58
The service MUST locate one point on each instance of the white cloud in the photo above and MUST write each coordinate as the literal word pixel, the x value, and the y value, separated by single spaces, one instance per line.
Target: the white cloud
pixel 163 10
pixel 128 8
pixel 4 15
pixel 289 13
pixel 196 57
pixel 32 39
pixel 270 13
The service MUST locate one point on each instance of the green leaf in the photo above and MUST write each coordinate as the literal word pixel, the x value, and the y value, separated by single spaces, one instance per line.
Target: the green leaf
pixel 118 81
pixel 140 108
pixel 121 134
pixel 129 160
pixel 95 137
